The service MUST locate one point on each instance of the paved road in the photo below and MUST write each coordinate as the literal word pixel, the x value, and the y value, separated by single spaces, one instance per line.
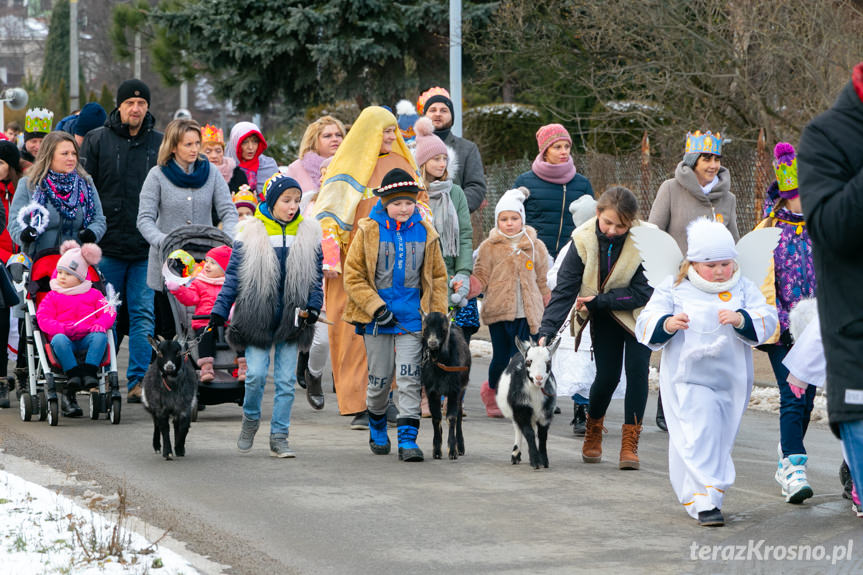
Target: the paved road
pixel 337 508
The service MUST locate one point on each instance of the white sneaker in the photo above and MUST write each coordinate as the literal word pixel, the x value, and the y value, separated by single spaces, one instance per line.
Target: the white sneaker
pixel 791 475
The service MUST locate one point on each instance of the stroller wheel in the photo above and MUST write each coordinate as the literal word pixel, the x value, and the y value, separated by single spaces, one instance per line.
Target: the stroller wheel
pixel 116 404
pixel 25 406
pixel 42 400
pixel 53 412
pixel 95 406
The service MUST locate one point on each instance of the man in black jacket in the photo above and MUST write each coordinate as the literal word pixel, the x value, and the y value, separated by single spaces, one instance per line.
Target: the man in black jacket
pixel 831 189
pixel 119 155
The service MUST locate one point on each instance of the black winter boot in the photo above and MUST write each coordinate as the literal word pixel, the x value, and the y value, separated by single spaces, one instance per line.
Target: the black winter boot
pixel 302 365
pixel 660 415
pixel 314 392
pixel 4 392
pixel 68 401
pixel 91 377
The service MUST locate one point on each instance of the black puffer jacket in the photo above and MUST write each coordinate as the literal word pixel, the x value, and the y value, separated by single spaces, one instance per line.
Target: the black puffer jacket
pixel 831 189
pixel 119 164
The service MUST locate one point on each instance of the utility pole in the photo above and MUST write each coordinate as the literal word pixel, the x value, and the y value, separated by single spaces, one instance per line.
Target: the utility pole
pixel 137 71
pixel 74 102
pixel 455 63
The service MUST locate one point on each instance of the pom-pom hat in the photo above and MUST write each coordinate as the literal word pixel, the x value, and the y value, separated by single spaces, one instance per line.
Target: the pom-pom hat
pixel 397 185
pixel 512 201
pixel 407 117
pixel 76 259
pixel 244 198
pixel 785 166
pixel 709 241
pixel 428 145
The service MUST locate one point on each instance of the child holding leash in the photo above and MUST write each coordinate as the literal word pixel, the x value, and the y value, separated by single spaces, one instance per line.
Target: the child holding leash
pixel 394 272
pixel 274 282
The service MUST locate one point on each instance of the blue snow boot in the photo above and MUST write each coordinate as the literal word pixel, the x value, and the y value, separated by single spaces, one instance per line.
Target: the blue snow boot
pixel 408 448
pixel 379 442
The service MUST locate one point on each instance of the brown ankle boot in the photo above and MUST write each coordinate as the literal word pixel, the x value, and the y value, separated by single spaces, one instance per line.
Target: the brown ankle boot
pixel 629 446
pixel 591 451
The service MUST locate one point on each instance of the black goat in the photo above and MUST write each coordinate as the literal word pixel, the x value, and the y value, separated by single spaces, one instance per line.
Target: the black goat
pixel 527 393
pixel 170 391
pixel 444 372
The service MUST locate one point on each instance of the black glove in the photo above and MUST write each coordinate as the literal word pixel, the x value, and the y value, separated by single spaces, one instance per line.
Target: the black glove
pixel 216 321
pixel 29 235
pixel 87 236
pixel 312 316
pixel 384 317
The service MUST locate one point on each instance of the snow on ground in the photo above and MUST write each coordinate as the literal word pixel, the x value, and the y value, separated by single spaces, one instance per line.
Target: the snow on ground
pixel 42 531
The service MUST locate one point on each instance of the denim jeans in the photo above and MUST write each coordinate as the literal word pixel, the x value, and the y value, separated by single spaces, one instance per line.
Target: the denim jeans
pixel 503 334
pixel 129 278
pixel 64 348
pixel 284 376
pixel 580 399
pixel 851 433
pixel 794 413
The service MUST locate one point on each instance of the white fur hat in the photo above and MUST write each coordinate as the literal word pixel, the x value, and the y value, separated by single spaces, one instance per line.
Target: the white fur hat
pixel 512 201
pixel 709 241
pixel 582 209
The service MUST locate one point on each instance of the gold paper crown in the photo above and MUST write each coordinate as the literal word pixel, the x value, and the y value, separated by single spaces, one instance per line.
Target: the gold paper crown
pixel 786 176
pixel 38 120
pixel 706 143
pixel 212 135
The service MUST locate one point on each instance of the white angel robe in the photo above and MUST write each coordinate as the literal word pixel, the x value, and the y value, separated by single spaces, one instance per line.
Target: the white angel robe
pixel 805 360
pixel 706 377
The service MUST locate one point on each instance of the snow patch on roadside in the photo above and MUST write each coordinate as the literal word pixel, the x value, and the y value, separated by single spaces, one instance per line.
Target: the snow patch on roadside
pixel 42 531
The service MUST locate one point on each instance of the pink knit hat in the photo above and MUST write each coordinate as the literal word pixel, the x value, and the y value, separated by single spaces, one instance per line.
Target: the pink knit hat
pixel 428 145
pixel 75 259
pixel 547 135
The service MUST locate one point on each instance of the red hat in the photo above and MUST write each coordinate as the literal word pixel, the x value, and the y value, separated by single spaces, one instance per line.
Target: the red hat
pixel 221 255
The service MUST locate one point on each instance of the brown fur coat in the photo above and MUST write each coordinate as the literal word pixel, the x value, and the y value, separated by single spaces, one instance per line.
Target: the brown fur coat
pixel 499 265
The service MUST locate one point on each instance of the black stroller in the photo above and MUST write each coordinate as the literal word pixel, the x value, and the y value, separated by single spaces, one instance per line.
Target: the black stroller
pixel 197 240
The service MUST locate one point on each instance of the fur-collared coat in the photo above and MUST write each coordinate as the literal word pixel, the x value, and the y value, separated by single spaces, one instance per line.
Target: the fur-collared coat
pixel 499 265
pixel 270 277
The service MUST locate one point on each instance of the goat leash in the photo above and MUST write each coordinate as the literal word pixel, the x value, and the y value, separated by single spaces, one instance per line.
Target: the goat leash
pixel 165 383
pixel 452 368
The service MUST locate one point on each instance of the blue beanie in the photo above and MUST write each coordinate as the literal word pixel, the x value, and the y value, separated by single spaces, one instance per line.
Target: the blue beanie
pixel 91 117
pixel 277 185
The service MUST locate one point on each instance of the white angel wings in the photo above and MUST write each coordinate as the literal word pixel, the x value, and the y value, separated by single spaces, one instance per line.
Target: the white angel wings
pixel 661 255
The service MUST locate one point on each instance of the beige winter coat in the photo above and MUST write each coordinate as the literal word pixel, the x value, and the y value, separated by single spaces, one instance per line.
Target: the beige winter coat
pixel 499 265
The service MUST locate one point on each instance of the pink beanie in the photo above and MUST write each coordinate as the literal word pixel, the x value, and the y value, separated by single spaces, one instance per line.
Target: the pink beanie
pixel 75 259
pixel 547 135
pixel 428 144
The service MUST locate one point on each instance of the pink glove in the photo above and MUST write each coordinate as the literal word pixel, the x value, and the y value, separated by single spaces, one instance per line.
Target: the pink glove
pixel 172 286
pixel 96 328
pixel 798 387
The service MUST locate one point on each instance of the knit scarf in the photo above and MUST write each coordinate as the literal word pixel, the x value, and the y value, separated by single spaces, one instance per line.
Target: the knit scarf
pixel 712 287
pixel 208 280
pixel 226 168
pixel 68 193
pixel 445 217
pixel 79 289
pixel 311 163
pixel 196 179
pixel 554 173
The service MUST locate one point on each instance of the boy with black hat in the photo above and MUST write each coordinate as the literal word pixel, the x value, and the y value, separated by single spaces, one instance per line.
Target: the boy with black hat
pixel 393 273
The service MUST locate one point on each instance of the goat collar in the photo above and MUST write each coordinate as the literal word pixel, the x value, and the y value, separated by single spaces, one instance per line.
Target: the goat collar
pixel 165 383
pixel 452 368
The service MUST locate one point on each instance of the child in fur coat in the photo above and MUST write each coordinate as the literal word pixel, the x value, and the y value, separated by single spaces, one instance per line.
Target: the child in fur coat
pixel 510 269
pixel 274 281
pixel 202 294
pixel 74 317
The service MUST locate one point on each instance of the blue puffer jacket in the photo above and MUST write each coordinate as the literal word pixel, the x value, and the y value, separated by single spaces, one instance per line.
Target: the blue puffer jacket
pixel 398 273
pixel 547 207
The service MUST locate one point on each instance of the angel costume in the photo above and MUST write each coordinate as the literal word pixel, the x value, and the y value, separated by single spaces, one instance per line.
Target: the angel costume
pixel 707 373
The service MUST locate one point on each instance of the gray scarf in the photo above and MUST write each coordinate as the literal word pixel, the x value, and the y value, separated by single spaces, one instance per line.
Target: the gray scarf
pixel 444 216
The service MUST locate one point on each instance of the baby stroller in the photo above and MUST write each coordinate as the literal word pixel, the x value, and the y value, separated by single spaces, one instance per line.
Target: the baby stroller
pixel 38 394
pixel 197 240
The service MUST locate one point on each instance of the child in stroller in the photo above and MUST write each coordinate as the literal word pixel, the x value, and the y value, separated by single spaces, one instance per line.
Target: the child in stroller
pixel 74 316
pixel 202 294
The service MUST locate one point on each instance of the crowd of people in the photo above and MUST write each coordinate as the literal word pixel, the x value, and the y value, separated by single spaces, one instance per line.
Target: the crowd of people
pixel 370 228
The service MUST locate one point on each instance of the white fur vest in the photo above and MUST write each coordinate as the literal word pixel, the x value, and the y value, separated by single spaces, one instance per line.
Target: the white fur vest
pixel 257 319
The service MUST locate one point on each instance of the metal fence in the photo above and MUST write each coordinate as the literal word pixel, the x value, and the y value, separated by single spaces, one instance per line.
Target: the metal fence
pixel 751 173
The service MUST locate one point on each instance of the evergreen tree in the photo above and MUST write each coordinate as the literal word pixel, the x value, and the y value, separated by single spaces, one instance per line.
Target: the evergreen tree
pixel 55 71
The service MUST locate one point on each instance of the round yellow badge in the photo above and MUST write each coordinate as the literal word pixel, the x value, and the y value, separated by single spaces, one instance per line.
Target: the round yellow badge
pixel 529 264
pixel 719 218
pixel 725 296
